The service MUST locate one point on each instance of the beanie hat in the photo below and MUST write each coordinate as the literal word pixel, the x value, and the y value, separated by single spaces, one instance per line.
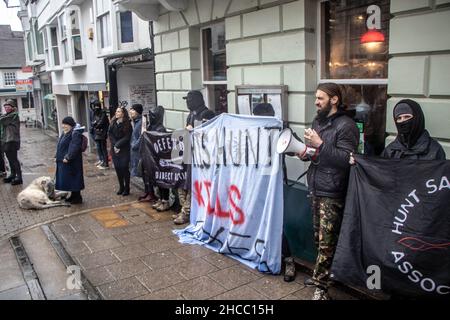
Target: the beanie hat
pixel 69 121
pixel 11 103
pixel 137 107
pixel 402 107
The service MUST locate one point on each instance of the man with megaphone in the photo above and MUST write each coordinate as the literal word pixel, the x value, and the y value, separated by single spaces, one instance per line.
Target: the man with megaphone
pixel 331 139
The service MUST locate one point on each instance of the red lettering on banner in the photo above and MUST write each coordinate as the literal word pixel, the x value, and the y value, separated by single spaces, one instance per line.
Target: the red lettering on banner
pixel 236 214
pixel 198 193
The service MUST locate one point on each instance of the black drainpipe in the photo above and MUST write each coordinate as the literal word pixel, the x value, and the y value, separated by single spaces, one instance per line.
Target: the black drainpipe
pixel 152 42
pixel 113 91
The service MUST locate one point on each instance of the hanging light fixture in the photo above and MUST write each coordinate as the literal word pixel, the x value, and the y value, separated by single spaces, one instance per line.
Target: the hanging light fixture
pixel 372 36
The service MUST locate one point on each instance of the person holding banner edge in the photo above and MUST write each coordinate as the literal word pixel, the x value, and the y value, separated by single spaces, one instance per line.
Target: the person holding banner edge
pixel 335 136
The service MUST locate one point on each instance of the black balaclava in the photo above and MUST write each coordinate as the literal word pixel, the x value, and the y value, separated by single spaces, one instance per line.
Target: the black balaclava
pixel 156 116
pixel 409 131
pixel 264 109
pixel 194 100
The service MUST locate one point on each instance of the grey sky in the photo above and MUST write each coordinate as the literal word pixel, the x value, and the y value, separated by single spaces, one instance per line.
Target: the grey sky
pixel 9 16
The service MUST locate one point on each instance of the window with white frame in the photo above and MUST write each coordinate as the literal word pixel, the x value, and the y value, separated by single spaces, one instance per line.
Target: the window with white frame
pixel 77 52
pixel 125 26
pixel 103 22
pixel 54 46
pixel 63 34
pixel 39 38
pixel 9 79
pixel 354 53
pixel 46 52
pixel 214 67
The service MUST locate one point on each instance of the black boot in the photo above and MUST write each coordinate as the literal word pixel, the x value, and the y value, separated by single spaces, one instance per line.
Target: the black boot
pixel 120 178
pixel 8 179
pixel 126 176
pixel 16 181
pixel 76 198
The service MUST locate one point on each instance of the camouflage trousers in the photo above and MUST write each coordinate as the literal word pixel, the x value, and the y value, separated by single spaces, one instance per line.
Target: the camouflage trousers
pixel 327 219
pixel 185 200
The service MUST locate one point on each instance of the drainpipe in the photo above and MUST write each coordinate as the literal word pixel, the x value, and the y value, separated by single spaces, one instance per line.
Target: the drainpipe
pixel 113 91
pixel 152 42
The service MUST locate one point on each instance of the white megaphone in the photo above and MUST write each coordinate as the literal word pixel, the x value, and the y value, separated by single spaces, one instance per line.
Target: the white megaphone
pixel 288 141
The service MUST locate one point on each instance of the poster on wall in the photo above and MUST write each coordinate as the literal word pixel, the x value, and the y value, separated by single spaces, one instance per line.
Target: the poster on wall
pixel 143 94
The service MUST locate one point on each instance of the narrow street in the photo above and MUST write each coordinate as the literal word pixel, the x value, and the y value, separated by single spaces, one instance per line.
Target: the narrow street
pixel 124 249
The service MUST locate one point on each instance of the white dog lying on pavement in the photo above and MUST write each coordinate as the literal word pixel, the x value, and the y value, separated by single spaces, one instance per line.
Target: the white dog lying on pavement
pixel 40 194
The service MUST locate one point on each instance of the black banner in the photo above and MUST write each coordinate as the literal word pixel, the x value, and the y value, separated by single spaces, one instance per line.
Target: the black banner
pixel 396 226
pixel 162 155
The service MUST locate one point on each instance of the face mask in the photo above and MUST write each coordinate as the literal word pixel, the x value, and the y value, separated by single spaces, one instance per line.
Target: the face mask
pixel 404 131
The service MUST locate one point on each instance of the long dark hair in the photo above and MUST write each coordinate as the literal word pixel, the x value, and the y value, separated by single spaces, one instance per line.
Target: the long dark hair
pixel 126 118
pixel 332 89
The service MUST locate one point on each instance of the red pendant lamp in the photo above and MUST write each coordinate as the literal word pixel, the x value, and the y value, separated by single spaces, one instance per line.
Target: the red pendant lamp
pixel 372 36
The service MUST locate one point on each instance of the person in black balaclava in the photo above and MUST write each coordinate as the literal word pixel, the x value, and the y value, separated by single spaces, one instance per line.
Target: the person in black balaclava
pixel 413 140
pixel 196 105
pixel 264 109
pixel 100 127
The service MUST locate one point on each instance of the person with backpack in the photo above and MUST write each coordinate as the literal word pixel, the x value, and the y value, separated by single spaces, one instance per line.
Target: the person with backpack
pixel 100 127
pixel 10 141
pixel 69 161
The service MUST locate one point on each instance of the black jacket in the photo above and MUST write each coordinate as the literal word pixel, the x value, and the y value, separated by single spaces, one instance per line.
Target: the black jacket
pixel 328 173
pixel 197 115
pixel 100 125
pixel 426 148
pixel 120 137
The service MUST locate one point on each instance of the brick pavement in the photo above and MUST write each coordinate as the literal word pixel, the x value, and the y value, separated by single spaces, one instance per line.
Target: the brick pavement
pixel 128 250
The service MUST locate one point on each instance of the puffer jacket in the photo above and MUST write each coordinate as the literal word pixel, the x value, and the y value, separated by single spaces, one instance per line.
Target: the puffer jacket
pixel 10 128
pixel 329 172
pixel 426 148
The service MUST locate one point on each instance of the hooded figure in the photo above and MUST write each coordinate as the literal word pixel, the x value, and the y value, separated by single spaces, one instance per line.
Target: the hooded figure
pixel 196 105
pixel 413 140
pixel 156 119
pixel 264 109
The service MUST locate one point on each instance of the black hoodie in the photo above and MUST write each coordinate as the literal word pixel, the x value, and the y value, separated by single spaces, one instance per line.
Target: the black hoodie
pixel 156 119
pixel 413 141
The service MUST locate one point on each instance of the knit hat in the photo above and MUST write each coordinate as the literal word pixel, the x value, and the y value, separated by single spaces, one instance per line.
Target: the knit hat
pixel 402 107
pixel 10 102
pixel 137 107
pixel 69 121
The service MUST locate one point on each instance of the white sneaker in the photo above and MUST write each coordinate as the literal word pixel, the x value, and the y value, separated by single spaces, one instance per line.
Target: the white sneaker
pixel 320 294
pixel 157 204
pixel 98 163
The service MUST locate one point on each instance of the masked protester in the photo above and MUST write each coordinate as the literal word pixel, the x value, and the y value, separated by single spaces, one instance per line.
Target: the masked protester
pixel 413 140
pixel 10 141
pixel 100 127
pixel 198 114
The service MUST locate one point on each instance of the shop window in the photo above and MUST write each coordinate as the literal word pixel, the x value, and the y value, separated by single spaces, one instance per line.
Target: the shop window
pixel 28 101
pixel 54 45
pixel 76 34
pixel 126 26
pixel 214 67
pixel 9 78
pixel 354 53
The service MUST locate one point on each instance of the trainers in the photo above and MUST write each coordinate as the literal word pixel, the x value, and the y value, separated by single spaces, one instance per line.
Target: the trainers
pixel 309 282
pixel 102 167
pixel 182 218
pixel 289 269
pixel 8 179
pixel 157 204
pixel 321 294
pixel 98 163
pixel 164 206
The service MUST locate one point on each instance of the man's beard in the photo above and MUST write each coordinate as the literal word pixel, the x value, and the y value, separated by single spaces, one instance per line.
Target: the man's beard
pixel 323 113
